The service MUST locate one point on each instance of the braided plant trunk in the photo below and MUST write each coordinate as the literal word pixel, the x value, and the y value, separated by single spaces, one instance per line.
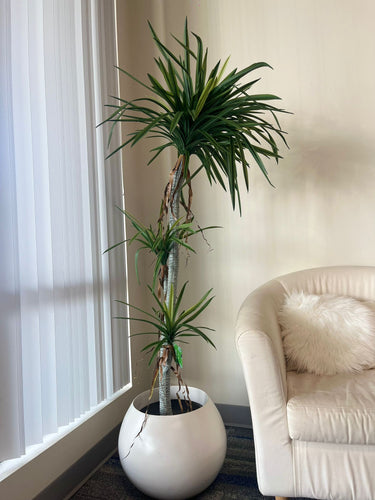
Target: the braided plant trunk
pixel 166 353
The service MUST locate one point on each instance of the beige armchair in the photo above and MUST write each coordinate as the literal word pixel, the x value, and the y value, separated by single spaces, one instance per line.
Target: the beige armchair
pixel 314 435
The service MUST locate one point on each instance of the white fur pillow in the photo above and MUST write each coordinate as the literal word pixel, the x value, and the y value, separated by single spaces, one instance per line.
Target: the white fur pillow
pixel 327 334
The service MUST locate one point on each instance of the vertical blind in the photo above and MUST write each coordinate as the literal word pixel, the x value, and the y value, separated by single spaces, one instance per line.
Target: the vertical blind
pixel 61 353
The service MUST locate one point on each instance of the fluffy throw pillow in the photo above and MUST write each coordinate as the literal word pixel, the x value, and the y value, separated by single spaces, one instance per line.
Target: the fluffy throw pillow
pixel 327 334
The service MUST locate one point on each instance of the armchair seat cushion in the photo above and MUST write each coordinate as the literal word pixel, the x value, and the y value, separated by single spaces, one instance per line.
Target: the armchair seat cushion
pixel 333 408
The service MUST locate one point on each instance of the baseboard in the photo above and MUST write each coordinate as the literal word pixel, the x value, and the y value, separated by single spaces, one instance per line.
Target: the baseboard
pixel 236 415
pixel 71 480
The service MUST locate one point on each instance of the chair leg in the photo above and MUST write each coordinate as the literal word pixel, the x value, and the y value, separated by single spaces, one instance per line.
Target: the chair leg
pixel 281 498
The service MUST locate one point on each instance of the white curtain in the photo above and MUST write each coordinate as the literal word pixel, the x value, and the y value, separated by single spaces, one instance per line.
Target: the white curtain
pixel 61 353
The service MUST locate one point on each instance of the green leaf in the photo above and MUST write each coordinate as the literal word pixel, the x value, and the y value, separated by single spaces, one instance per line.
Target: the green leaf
pixel 163 49
pixel 220 75
pixel 175 120
pixel 178 354
pixel 203 97
pixel 133 77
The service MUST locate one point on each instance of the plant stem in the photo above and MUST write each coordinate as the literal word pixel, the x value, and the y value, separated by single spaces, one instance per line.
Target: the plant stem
pixel 165 406
pixel 173 258
pixel 171 279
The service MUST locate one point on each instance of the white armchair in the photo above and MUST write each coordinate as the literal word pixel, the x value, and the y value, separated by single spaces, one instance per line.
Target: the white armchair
pixel 314 435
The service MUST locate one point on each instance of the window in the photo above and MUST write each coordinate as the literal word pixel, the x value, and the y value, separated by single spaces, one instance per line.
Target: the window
pixel 61 351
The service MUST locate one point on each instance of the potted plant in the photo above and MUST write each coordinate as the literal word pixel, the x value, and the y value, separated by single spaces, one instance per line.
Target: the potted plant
pixel 217 119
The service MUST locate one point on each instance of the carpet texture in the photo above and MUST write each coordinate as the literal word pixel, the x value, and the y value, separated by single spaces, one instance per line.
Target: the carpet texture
pixel 236 480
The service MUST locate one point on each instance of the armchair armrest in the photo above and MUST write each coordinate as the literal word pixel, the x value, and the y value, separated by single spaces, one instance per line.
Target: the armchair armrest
pixel 260 349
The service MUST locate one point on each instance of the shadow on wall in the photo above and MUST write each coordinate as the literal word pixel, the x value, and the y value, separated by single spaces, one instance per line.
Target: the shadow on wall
pixel 332 162
pixel 317 215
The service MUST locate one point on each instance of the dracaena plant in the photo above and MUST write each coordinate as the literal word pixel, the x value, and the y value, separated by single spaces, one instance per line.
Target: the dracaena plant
pixel 216 118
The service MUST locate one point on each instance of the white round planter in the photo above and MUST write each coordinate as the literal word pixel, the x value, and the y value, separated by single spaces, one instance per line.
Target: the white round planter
pixel 174 456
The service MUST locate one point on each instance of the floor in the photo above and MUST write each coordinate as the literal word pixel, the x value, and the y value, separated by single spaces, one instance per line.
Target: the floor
pixel 236 480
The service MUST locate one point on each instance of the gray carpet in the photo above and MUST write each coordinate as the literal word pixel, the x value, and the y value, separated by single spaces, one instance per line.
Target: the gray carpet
pixel 236 480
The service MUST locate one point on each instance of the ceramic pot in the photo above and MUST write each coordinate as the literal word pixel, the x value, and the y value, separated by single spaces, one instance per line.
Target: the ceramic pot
pixel 173 457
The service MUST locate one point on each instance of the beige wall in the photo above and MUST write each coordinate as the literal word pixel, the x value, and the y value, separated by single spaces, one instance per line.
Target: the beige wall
pixel 322 212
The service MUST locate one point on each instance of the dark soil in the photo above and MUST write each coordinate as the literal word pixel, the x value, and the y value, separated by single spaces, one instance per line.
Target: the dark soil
pixel 153 408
